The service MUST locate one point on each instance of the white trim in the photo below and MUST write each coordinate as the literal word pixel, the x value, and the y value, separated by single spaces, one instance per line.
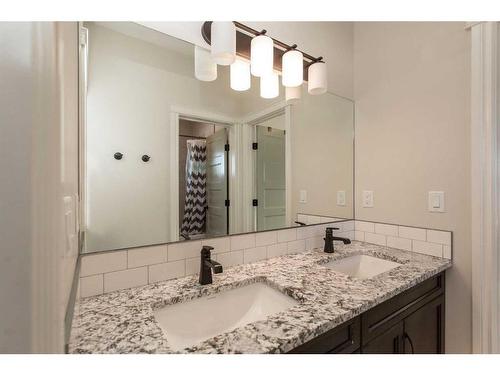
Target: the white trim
pixel 484 191
pixel 82 128
pixel 269 112
pixel 176 113
pixel 173 234
pixel 288 165
pixel 247 177
pixel 276 109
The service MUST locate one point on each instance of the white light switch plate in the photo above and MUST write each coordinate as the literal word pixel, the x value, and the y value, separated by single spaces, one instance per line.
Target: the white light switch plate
pixel 340 198
pixel 303 196
pixel 367 198
pixel 436 201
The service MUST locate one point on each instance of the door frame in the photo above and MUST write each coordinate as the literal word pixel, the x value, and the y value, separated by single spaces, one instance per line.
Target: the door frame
pixel 485 210
pixel 249 190
pixel 177 113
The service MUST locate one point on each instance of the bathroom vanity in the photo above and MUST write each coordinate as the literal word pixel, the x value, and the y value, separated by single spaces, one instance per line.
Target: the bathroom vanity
pixel 409 323
pixel 399 310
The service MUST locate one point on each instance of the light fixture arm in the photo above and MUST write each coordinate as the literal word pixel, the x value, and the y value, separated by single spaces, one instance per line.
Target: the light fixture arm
pixel 245 33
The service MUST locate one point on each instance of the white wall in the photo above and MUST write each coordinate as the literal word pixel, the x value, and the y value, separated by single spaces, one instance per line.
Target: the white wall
pixel 38 136
pixel 411 87
pixel 322 154
pixel 332 40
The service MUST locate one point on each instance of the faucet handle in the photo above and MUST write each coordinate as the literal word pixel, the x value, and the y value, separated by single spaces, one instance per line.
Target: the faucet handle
pixel 205 250
pixel 332 228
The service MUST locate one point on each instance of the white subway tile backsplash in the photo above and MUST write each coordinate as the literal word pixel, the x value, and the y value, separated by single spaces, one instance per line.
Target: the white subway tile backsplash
pixel 125 279
pixel 365 226
pixel 295 247
pixel 101 273
pixel 412 233
pixel 277 250
pixel 166 271
pixel 438 236
pixel 303 218
pixel 266 238
pixel 102 263
pixel 314 243
pixel 147 255
pixel 193 265
pixel 232 258
pixel 428 248
pixel 91 285
pixel 244 241
pixel 349 234
pixel 359 235
pixel 255 254
pixel 399 243
pixel 183 250
pixel 305 232
pixel 387 229
pixel 220 244
pixel 378 239
pixel 287 235
pixel 313 219
pixel 348 225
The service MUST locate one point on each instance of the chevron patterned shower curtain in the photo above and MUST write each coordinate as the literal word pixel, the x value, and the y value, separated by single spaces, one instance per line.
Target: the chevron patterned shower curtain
pixel 196 180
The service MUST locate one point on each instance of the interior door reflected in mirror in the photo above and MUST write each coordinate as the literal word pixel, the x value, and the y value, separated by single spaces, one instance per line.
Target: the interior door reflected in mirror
pixel 203 182
pixel 219 161
pixel 270 176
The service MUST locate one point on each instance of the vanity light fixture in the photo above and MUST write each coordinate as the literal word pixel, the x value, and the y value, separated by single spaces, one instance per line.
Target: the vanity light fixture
pixel 204 67
pixel 269 86
pixel 261 55
pixel 223 42
pixel 318 83
pixel 293 68
pixel 267 56
pixel 293 93
pixel 240 75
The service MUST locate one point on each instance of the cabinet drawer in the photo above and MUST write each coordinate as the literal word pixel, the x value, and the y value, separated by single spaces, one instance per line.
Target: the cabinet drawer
pixel 381 317
pixel 343 339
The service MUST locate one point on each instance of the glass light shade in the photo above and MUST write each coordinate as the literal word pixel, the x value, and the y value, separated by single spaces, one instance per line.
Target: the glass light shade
pixel 293 93
pixel 204 67
pixel 270 86
pixel 293 69
pixel 223 40
pixel 261 56
pixel 317 77
pixel 240 75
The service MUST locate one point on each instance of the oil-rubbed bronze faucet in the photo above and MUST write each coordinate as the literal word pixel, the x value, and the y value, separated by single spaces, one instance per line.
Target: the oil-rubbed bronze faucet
pixel 329 238
pixel 206 266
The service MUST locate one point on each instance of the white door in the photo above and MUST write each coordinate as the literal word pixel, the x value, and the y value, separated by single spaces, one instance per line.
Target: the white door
pixel 271 187
pixel 217 190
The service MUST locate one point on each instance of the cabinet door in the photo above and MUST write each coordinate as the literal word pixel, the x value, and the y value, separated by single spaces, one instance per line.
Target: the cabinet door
pixel 424 329
pixel 343 339
pixel 389 342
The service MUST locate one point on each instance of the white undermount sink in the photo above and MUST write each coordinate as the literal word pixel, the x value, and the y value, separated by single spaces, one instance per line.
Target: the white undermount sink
pixel 188 323
pixel 362 266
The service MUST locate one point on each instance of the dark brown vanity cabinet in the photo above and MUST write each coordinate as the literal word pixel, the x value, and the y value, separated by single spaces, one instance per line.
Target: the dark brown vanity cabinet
pixel 411 323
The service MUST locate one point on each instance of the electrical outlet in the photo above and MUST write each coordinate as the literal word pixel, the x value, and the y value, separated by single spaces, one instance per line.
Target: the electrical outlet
pixel 367 198
pixel 436 201
pixel 340 198
pixel 303 196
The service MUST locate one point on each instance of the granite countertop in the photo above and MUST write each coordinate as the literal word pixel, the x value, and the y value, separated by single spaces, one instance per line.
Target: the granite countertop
pixel 123 321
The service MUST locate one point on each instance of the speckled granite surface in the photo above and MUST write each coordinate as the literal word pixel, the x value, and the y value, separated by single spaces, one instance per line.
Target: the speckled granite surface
pixel 123 321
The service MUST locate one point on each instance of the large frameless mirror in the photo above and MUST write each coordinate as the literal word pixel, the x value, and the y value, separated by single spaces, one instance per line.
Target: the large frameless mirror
pixel 166 157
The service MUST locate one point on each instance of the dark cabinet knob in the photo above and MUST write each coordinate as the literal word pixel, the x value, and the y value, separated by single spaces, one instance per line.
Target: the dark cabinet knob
pixel 145 158
pixel 118 155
